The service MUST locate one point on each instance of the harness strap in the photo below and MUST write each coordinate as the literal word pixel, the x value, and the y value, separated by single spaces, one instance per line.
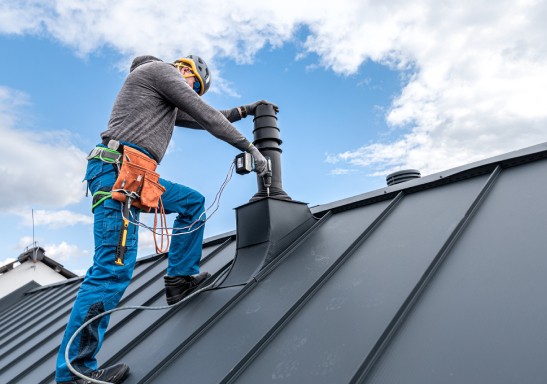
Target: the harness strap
pixel 105 154
pixel 100 196
pixel 108 156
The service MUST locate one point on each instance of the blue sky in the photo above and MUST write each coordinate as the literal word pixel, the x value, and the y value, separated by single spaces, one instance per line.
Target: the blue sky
pixel 366 91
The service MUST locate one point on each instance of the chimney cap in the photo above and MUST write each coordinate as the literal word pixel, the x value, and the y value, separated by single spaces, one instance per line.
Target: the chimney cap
pixel 402 176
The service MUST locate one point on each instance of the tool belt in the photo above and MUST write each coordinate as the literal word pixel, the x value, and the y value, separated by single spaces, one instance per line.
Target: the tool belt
pixel 137 179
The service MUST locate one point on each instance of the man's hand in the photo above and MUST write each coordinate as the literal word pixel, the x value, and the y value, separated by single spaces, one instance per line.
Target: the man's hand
pixel 250 109
pixel 260 161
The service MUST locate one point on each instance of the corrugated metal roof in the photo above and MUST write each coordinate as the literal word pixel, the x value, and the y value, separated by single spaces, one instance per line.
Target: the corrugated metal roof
pixel 439 279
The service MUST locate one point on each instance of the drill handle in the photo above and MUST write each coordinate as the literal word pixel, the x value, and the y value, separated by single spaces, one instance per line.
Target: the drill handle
pixel 268 175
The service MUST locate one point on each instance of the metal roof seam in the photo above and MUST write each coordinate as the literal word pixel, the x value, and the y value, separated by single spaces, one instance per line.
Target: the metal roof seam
pixel 54 332
pixel 231 303
pixel 133 313
pixel 149 329
pixel 190 340
pixel 218 239
pixel 34 334
pixel 54 285
pixel 37 320
pixel 219 249
pixel 153 264
pixel 123 351
pixel 283 255
pixel 391 329
pixel 168 314
pixel 17 379
pixel 20 311
pixel 294 310
pixel 150 258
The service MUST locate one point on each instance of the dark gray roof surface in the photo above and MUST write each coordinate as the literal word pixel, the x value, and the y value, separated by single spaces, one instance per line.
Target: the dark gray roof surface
pixel 436 280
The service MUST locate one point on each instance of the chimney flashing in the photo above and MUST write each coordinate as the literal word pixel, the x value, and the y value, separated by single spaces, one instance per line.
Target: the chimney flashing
pixel 265 228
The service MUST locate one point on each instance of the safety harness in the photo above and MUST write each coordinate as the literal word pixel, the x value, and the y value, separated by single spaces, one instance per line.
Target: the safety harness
pixel 137 184
pixel 135 177
pixel 110 156
pixel 100 196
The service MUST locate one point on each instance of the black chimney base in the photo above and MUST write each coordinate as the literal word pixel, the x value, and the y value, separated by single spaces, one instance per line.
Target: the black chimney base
pixel 265 228
pixel 274 194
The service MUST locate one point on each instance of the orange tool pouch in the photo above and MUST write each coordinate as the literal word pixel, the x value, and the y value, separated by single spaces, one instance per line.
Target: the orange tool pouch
pixel 138 178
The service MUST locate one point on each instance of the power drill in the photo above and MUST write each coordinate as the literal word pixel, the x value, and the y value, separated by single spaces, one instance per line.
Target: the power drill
pixel 244 165
pixel 267 178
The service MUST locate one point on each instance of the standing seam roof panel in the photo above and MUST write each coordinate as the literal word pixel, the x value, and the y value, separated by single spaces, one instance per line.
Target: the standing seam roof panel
pixel 53 325
pixel 46 310
pixel 365 293
pixel 38 361
pixel 485 309
pixel 170 329
pixel 250 318
pixel 36 356
pixel 31 302
pixel 477 313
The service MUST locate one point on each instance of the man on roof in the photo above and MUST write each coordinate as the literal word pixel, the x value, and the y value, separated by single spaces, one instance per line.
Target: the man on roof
pixel 155 97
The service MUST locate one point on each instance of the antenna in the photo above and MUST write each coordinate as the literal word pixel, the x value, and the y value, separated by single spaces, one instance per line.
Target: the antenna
pixel 33 242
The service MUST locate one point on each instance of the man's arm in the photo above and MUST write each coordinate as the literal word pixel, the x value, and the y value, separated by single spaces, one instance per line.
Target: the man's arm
pixel 185 120
pixel 174 89
pixel 172 86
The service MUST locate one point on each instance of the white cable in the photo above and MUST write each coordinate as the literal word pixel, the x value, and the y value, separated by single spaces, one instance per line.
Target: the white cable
pixel 216 200
pixel 188 227
pixel 136 307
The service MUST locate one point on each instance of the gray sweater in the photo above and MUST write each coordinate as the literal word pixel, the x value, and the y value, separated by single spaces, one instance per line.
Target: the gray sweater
pixel 154 98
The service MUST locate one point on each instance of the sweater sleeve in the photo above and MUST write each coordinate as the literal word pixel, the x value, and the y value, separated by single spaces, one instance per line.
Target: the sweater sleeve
pixel 172 86
pixel 186 121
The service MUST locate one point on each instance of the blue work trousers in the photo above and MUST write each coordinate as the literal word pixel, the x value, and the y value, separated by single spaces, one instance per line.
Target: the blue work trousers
pixel 105 282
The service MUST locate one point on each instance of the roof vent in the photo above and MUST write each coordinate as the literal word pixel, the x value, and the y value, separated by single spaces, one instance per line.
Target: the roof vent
pixel 402 176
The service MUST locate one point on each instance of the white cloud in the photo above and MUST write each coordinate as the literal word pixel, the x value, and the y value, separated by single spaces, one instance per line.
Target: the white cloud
pixel 146 243
pixel 25 242
pixel 64 252
pixel 332 158
pixel 476 87
pixel 14 19
pixel 55 219
pixel 476 72
pixel 36 168
pixel 342 171
pixel 146 237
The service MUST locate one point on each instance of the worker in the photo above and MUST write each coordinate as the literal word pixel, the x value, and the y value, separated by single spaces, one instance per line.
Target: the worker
pixel 155 97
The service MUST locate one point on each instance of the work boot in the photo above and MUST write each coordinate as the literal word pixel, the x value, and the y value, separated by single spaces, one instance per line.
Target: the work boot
pixel 178 287
pixel 115 374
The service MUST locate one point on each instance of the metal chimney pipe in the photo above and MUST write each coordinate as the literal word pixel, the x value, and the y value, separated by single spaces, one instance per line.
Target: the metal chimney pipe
pixel 267 140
